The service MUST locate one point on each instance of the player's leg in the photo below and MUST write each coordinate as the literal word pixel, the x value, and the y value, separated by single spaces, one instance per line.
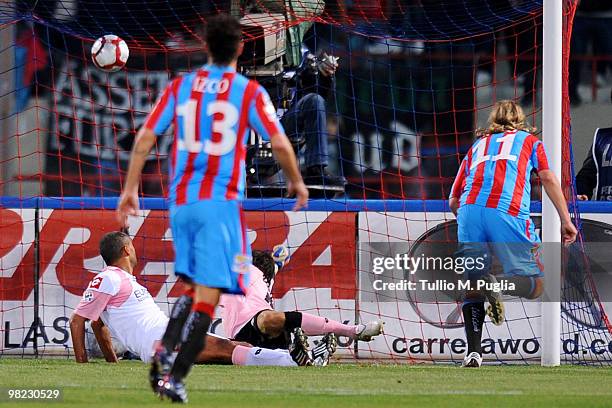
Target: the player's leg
pixel 206 219
pixel 275 337
pixel 269 329
pixel 317 325
pixel 220 263
pixel 528 287
pixel 163 357
pixel 182 234
pixel 272 324
pixel 475 237
pixel 472 243
pixel 220 350
pixel 282 333
pixel 473 318
pixel 517 246
pixel 224 351
pixel 195 330
pixel 257 356
pixel 178 315
pixel 314 325
pixel 193 340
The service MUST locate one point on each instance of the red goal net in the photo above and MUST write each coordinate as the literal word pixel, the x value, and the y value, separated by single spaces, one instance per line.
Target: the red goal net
pixel 415 79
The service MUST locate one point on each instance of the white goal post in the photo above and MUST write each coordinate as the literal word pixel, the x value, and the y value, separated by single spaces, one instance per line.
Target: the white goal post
pixel 551 129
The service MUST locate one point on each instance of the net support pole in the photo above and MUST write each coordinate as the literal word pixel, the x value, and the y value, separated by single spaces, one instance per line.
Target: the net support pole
pixel 7 95
pixel 551 225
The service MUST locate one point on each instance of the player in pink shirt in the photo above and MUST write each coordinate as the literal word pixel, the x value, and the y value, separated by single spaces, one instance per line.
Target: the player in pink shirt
pixel 252 318
pixel 119 307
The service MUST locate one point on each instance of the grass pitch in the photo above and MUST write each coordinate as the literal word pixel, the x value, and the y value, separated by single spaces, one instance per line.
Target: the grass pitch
pixel 125 385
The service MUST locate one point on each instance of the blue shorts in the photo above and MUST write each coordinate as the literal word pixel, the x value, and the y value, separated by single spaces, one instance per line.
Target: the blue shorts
pixel 513 240
pixel 210 244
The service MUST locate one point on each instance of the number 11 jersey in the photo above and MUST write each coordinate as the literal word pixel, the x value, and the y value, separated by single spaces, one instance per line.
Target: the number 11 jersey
pixel 496 172
pixel 212 110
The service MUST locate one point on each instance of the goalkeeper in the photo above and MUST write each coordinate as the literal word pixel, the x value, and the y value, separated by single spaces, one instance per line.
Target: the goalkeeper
pixel 252 318
pixel 491 199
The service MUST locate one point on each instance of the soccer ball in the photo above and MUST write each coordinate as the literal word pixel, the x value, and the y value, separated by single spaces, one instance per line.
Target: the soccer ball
pixel 280 254
pixel 110 53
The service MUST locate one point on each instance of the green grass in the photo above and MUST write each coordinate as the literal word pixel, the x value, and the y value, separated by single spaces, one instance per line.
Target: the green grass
pixel 336 386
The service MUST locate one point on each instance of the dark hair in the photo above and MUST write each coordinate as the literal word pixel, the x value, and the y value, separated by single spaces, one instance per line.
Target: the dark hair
pixel 265 263
pixel 111 246
pixel 223 35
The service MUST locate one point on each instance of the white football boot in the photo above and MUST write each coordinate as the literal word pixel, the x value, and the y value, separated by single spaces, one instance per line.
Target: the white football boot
pixel 370 329
pixel 472 360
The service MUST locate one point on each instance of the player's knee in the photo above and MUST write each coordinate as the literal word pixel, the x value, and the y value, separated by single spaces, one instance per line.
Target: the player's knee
pixel 218 351
pixel 271 323
pixel 538 288
pixel 474 296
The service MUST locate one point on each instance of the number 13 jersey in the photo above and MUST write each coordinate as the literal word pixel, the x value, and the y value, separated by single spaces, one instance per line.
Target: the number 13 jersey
pixel 212 110
pixel 496 172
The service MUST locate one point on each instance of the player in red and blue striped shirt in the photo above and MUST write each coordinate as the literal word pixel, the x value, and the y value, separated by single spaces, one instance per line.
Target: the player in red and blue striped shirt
pixel 491 197
pixel 496 172
pixel 212 111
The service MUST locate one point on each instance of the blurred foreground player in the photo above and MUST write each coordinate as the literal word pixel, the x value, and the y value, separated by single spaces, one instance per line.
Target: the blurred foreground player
pixel 491 199
pixel 212 109
pixel 252 318
pixel 120 307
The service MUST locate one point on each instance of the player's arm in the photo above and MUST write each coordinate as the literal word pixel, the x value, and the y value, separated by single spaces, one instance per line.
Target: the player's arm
pixel 104 339
pixel 156 123
pixel 453 203
pixel 457 188
pixel 77 332
pixel 95 299
pixel 553 190
pixel 284 154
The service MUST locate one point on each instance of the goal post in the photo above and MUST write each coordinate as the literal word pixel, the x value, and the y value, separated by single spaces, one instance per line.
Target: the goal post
pixel 551 134
pixel 7 121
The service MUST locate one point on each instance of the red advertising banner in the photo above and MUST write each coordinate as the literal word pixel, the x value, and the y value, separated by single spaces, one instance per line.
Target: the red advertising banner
pixel 69 238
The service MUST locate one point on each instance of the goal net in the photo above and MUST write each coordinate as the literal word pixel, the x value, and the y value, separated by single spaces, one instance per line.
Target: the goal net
pixel 414 80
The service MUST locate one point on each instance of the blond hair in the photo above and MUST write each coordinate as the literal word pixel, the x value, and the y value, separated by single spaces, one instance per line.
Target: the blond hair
pixel 506 115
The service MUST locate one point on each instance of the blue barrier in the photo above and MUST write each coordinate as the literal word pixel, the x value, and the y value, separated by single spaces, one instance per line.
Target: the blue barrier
pixel 273 204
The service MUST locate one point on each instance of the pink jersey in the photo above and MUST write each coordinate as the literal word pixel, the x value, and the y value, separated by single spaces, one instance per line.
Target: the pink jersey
pixel 238 309
pixel 126 308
